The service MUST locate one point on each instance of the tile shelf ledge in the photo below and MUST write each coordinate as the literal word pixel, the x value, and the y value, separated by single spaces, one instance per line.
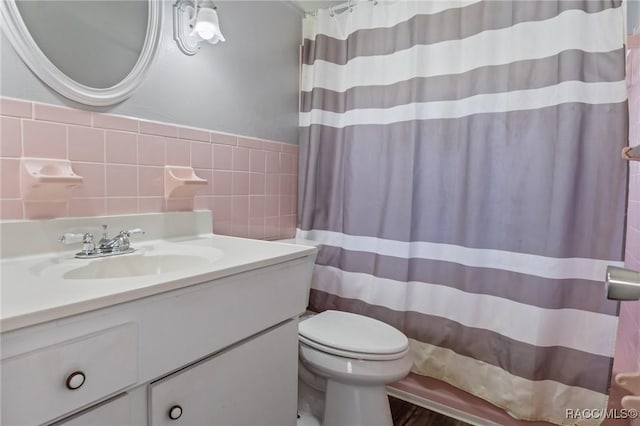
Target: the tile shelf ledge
pixel 630 382
pixel 631 153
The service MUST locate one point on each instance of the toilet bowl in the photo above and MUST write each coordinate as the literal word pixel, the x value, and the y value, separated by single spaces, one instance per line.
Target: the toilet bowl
pixel 351 358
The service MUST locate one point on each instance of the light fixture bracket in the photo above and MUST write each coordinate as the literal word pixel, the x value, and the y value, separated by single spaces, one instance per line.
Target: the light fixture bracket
pixel 184 13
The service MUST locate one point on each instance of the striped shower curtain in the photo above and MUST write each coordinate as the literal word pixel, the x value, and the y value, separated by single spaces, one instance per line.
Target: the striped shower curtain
pixel 460 165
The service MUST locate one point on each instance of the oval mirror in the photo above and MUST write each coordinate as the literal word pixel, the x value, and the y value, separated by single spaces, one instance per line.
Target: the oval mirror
pixel 95 52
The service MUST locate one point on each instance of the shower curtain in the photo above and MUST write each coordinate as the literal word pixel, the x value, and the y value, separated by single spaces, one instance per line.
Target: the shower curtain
pixel 460 165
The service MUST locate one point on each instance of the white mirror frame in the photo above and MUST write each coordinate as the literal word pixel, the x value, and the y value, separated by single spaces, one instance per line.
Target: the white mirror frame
pixel 26 47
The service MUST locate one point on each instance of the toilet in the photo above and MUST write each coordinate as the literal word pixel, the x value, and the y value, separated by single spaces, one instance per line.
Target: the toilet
pixel 346 360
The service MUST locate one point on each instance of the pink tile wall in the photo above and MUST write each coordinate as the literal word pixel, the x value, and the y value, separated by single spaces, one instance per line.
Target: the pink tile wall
pixel 252 182
pixel 630 311
pixel 627 355
pixel 632 255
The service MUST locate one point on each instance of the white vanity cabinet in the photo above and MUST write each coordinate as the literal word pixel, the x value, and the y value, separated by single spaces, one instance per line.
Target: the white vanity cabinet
pixel 225 351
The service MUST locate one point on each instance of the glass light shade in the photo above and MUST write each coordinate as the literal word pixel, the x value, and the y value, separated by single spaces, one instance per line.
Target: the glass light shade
pixel 205 30
pixel 207 26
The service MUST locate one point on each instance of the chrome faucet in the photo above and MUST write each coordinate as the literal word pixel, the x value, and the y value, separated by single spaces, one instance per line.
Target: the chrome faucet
pixel 105 247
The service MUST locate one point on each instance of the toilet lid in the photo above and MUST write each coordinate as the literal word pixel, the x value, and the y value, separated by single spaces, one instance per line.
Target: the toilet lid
pixel 353 333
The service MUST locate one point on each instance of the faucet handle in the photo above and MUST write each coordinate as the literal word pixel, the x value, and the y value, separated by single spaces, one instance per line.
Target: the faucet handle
pixel 71 238
pixel 123 238
pixel 134 231
pixel 88 246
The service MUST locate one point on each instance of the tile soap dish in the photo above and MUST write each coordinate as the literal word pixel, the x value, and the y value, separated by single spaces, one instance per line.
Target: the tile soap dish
pixel 181 182
pixel 47 179
pixel 630 382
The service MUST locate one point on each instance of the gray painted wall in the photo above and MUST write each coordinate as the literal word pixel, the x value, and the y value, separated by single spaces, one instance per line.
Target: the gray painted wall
pixel 633 16
pixel 246 86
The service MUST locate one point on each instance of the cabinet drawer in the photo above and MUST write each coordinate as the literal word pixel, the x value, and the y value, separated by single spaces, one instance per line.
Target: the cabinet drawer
pixel 42 385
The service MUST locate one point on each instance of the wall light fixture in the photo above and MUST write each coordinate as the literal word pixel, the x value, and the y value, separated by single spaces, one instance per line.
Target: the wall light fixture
pixel 194 22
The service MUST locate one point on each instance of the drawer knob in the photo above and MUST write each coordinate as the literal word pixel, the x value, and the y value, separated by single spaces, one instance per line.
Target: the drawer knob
pixel 75 380
pixel 175 412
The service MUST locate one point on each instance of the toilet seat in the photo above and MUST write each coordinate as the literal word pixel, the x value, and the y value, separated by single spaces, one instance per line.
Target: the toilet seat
pixel 353 336
pixel 355 355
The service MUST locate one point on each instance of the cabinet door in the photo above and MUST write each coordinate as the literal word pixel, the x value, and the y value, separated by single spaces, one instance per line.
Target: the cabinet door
pixel 251 383
pixel 116 411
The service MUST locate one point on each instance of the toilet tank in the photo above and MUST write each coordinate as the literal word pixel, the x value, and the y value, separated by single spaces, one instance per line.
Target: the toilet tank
pixel 300 241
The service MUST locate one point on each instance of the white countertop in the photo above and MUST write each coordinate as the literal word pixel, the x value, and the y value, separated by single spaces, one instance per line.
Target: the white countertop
pixel 34 291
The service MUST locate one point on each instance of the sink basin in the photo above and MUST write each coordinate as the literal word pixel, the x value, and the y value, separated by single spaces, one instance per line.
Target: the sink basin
pixel 150 261
pixel 135 266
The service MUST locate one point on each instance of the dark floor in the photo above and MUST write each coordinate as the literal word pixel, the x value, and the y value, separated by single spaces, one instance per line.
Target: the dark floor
pixel 407 414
